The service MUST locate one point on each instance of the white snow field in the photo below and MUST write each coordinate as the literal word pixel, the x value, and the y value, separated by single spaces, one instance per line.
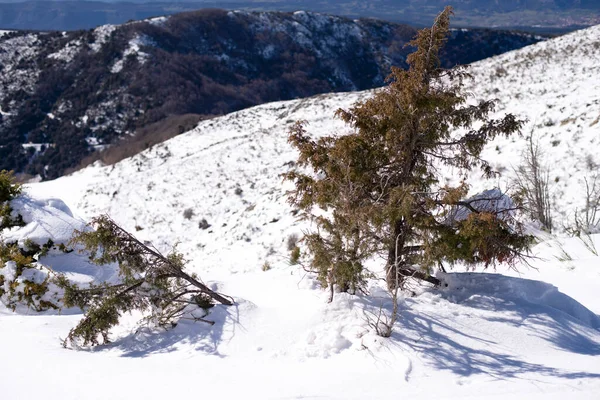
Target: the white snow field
pixel 532 334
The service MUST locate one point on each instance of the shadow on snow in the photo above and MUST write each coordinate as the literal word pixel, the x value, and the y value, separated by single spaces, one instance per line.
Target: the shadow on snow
pixel 461 328
pixel 467 340
pixel 200 336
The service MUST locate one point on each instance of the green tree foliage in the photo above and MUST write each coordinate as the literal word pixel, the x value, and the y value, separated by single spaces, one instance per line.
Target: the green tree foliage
pixel 380 185
pixel 9 189
pixel 23 282
pixel 150 282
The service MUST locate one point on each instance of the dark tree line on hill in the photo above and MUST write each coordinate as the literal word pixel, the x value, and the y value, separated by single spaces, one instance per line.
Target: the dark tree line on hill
pixel 198 64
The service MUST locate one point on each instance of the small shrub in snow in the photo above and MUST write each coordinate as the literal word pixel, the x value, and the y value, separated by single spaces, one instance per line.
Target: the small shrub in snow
pixel 380 322
pixel 533 184
pixel 292 241
pixel 188 213
pixel 586 220
pixel 32 247
pixel 25 283
pixel 203 224
pixel 9 189
pixel 64 248
pixel 295 255
pixel 266 266
pixel 22 281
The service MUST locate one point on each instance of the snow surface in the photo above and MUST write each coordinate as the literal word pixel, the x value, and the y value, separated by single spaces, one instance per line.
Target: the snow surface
pixel 45 219
pixel 485 336
pixel 134 48
pixel 532 334
pixel 68 52
pixel 51 219
pixel 158 20
pixel 101 35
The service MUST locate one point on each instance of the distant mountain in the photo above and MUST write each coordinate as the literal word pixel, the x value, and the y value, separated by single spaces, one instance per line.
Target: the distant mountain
pixel 542 15
pixel 65 95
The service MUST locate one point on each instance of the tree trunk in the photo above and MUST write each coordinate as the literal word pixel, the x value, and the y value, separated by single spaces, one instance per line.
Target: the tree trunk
pixel 397 269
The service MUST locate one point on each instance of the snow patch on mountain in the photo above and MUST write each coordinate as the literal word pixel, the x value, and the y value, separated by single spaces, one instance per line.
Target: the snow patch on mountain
pixel 101 36
pixel 306 27
pixel 134 49
pixel 20 49
pixel 68 52
pixel 158 20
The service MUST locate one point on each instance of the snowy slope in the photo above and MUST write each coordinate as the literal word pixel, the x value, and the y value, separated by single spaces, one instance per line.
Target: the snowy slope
pixel 533 334
pixel 554 85
pixel 485 336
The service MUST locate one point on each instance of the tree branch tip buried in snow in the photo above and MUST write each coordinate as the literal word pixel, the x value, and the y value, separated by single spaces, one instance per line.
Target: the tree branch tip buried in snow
pixel 149 282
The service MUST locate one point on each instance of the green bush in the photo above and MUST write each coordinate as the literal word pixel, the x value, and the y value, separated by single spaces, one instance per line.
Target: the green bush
pixel 23 282
pixel 9 190
pixel 295 255
pixel 150 282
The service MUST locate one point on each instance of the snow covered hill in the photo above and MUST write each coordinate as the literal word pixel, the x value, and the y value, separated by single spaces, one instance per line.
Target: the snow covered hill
pixel 216 191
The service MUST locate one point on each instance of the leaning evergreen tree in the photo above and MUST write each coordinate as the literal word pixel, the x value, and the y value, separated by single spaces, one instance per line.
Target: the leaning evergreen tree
pixel 151 282
pixel 377 191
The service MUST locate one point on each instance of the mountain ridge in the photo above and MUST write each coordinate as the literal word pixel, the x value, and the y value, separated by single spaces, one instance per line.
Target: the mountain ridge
pixel 67 94
pixel 551 15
